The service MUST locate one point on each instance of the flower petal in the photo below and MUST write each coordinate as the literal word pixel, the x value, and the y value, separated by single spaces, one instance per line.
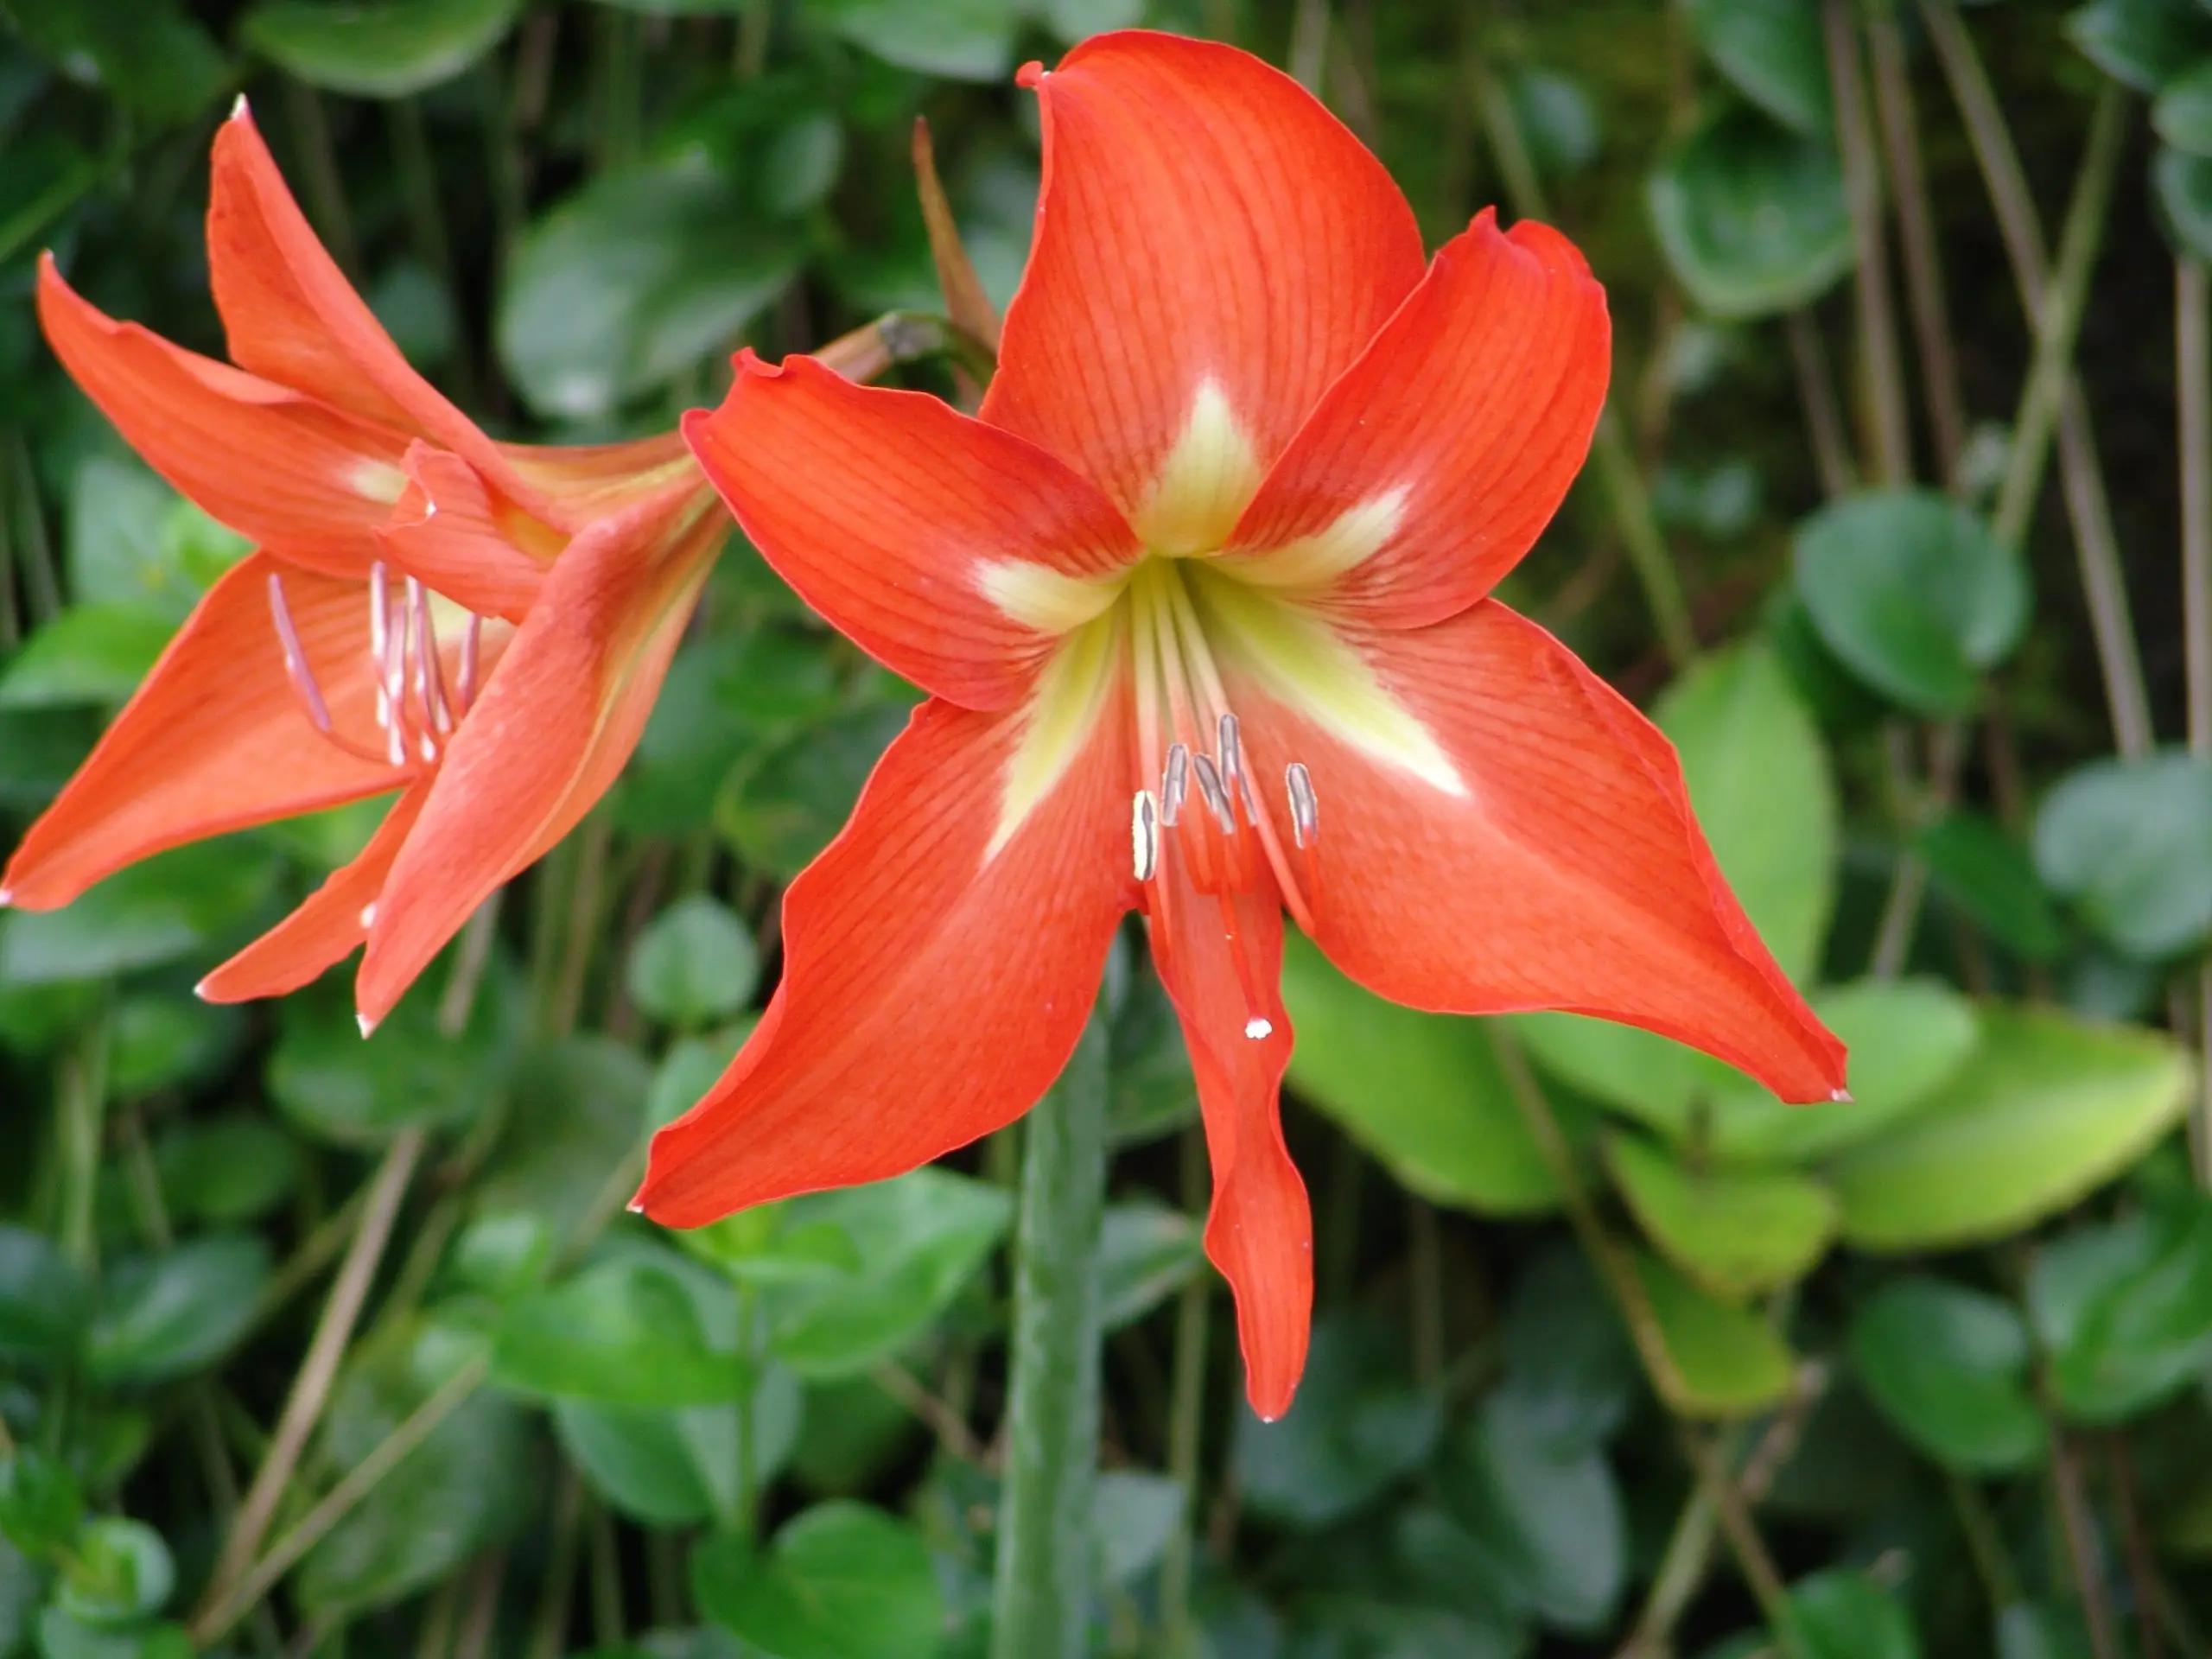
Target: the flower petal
pixel 925 535
pixel 291 316
pixel 557 720
pixel 1566 873
pixel 279 467
pixel 931 990
pixel 454 535
pixel 1259 1230
pixel 217 738
pixel 328 926
pixel 1203 224
pixel 1431 465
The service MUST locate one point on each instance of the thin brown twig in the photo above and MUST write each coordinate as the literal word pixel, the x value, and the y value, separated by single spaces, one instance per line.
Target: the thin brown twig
pixel 1809 356
pixel 1916 240
pixel 1882 374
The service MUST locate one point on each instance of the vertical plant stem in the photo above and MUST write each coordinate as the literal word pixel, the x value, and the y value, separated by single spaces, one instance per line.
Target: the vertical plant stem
pixel 1424 1273
pixel 34 548
pixel 1309 43
pixel 1610 453
pixel 566 998
pixel 82 1105
pixel 213 1622
pixel 2078 1529
pixel 2059 318
pixel 1816 390
pixel 2095 545
pixel 426 225
pixel 2143 1579
pixel 1916 239
pixel 1186 1417
pixel 1041 1598
pixel 1618 1271
pixel 1985 1544
pixel 1881 373
pixel 2193 349
pixel 318 1371
pixel 549 1630
pixel 608 1623
pixel 318 162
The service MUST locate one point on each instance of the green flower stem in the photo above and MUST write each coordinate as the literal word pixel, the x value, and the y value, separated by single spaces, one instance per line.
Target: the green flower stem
pixel 2193 353
pixel 1041 1603
pixel 1186 1417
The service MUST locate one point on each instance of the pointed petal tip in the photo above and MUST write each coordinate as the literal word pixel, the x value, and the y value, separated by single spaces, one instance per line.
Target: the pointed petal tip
pixel 239 111
pixel 368 1025
pixel 636 1207
pixel 1842 1097
pixel 1030 74
pixel 7 897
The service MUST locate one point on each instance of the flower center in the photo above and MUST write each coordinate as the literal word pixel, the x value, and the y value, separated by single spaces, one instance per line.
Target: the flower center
pixel 1203 810
pixel 420 702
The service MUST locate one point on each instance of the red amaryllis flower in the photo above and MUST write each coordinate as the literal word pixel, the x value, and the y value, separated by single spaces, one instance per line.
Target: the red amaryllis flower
pixel 1201 601
pixel 481 626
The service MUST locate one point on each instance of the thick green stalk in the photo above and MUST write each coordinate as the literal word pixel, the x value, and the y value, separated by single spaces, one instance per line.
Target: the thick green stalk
pixel 1041 1604
pixel 2193 354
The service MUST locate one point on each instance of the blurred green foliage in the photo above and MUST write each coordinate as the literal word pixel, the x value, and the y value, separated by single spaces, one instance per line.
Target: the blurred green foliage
pixel 1615 1352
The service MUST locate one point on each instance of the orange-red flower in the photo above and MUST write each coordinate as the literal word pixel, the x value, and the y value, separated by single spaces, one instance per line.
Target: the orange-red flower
pixel 481 626
pixel 1201 599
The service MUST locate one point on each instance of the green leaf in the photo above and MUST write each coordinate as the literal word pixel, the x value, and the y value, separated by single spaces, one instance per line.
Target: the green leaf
pixel 1760 783
pixel 1949 1367
pixel 1725 1361
pixel 1771 52
pixel 94 653
pixel 2141 43
pixel 44 1300
pixel 1841 1614
pixel 1356 1426
pixel 467 1486
pixel 2124 841
pixel 576 1109
pixel 1976 866
pixel 2182 115
pixel 1147 1253
pixel 1147 1067
pixel 1552 1523
pixel 175 905
pixel 165 1316
pixel 159 1041
pixel 2183 186
pixel 842 1581
pixel 1733 1231
pixel 2048 1108
pixel 919 1239
pixel 1750 217
pixel 1422 1093
pixel 1558 120
pixel 692 1066
pixel 959 40
pixel 119 512
pixel 121 1572
pixel 337 1088
pixel 1912 592
pixel 227 1170
pixel 1132 1517
pixel 1571 1371
pixel 151 54
pixel 625 1332
pixel 41 1503
pixel 1907 1038
pixel 377 48
pixel 680 1468
pixel 1655 1080
pixel 694 963
pixel 630 282
pixel 780 809
pixel 2145 1331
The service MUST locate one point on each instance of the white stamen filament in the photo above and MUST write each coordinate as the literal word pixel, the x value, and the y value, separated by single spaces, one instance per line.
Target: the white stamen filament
pixel 470 639
pixel 296 658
